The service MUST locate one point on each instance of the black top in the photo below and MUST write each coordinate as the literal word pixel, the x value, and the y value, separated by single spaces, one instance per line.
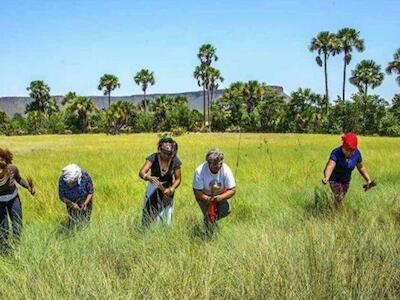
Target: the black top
pixel 156 169
pixel 11 177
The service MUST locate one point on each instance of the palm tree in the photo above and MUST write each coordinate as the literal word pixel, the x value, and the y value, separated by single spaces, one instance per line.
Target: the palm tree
pixel 200 73
pixel 253 92
pixel 119 114
pixel 366 73
pixel 349 38
pixel 144 78
pixel 326 44
pixel 214 79
pixel 82 107
pixel 207 54
pixel 108 83
pixel 394 66
pixel 40 93
pixel 204 74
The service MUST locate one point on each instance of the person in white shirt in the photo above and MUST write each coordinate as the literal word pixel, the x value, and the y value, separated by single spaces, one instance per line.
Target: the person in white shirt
pixel 213 185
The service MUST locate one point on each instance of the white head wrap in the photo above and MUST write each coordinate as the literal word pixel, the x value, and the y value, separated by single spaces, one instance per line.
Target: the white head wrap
pixel 71 173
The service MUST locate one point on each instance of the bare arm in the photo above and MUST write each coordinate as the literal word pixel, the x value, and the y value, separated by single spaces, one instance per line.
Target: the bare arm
pixel 177 181
pixel 363 171
pixel 200 196
pixel 143 173
pixel 330 166
pixel 229 193
pixel 22 182
pixel 69 203
pixel 89 198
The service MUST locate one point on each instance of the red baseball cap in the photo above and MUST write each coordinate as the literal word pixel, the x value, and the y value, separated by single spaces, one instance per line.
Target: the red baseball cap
pixel 350 141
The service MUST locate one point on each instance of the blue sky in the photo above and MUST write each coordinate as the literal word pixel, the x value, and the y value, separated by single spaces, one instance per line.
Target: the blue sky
pixel 70 44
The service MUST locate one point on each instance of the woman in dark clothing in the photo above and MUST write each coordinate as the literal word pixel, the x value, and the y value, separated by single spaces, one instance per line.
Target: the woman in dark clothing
pixel 10 203
pixel 341 164
pixel 165 176
pixel 75 189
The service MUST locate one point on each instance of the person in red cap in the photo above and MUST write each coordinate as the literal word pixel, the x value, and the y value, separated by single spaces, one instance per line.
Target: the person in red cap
pixel 341 164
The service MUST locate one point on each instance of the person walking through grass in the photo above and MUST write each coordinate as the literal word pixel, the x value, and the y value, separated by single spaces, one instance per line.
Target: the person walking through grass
pixel 213 185
pixel 341 164
pixel 162 170
pixel 75 189
pixel 10 202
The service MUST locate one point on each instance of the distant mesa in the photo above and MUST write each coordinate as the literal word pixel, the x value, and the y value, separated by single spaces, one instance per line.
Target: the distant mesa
pixel 13 105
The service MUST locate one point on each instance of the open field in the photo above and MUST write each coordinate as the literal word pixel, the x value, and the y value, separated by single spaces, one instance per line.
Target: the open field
pixel 282 240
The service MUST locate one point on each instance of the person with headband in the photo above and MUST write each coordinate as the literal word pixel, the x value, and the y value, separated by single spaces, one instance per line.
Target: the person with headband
pixel 213 185
pixel 341 164
pixel 75 189
pixel 10 202
pixel 162 170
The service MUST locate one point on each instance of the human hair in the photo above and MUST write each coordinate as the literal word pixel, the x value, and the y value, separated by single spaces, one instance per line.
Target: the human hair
pixel 214 155
pixel 171 141
pixel 6 155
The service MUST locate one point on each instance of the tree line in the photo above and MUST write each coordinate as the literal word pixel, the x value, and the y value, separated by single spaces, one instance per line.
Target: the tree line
pixel 245 106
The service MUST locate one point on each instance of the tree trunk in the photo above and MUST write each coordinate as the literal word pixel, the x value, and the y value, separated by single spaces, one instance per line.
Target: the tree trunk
pixel 326 83
pixel 366 89
pixel 344 79
pixel 144 101
pixel 109 98
pixel 204 105
pixel 208 107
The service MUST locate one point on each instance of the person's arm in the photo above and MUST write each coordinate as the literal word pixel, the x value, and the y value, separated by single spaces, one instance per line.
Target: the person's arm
pixel 229 193
pixel 330 166
pixel 88 199
pixel 89 190
pixel 69 203
pixel 22 182
pixel 177 181
pixel 62 195
pixel 143 173
pixel 201 196
pixel 364 173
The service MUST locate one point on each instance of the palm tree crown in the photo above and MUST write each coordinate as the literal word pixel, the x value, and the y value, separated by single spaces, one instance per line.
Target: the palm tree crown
pixel 367 73
pixel 394 66
pixel 108 83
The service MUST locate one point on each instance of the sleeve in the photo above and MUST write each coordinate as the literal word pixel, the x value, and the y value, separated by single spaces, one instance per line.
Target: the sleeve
pixel 89 185
pixel 17 175
pixel 61 188
pixel 229 180
pixel 333 156
pixel 198 181
pixel 359 157
pixel 177 163
pixel 151 157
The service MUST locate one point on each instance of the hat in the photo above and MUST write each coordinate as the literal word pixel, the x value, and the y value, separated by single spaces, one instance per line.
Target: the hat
pixel 350 141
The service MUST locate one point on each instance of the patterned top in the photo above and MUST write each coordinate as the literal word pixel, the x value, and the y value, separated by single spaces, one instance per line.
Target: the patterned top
pixel 78 192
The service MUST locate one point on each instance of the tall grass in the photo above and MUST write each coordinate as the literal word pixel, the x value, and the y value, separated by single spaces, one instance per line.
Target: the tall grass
pixel 284 239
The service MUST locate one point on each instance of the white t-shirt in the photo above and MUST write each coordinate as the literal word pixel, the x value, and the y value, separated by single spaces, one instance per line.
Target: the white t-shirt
pixel 203 179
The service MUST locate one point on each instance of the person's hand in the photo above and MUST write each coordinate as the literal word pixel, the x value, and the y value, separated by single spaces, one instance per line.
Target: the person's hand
pixel 215 198
pixel 169 191
pixel 75 206
pixel 324 181
pixel 32 190
pixel 83 207
pixel 370 184
pixel 154 181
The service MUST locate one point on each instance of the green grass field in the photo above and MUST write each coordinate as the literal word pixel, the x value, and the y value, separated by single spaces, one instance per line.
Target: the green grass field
pixel 283 239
